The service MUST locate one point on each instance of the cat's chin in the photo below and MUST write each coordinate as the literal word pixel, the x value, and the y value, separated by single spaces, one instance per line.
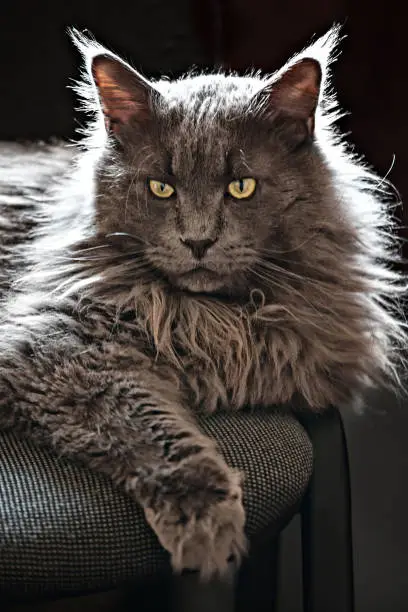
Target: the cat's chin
pixel 200 281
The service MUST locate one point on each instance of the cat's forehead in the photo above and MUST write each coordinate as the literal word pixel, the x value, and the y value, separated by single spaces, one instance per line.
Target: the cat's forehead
pixel 211 94
pixel 207 108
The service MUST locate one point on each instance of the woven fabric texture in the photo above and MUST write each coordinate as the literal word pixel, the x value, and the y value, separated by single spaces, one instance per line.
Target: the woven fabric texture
pixel 64 528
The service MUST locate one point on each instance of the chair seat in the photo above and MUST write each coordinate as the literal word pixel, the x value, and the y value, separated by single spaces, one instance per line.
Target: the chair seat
pixel 65 529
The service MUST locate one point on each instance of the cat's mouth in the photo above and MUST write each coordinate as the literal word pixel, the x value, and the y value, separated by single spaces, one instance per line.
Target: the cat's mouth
pixel 200 279
pixel 199 270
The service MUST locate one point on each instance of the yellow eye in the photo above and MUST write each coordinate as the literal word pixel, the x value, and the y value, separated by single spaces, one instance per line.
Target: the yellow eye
pixel 161 190
pixel 242 188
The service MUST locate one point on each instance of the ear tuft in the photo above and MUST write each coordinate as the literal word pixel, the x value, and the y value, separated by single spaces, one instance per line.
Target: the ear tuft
pixel 295 90
pixel 111 85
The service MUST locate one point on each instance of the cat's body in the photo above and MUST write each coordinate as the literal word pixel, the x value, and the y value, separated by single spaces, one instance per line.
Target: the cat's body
pixel 135 312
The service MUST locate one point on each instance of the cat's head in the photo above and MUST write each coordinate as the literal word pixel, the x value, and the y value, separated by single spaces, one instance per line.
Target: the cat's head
pixel 212 176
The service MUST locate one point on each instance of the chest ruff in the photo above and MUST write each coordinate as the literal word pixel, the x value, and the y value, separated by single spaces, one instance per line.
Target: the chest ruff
pixel 232 356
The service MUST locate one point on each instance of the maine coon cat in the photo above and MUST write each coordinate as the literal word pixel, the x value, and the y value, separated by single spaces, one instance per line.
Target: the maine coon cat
pixel 213 245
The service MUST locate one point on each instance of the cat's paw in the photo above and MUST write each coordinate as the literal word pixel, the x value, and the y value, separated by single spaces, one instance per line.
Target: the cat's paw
pixel 207 537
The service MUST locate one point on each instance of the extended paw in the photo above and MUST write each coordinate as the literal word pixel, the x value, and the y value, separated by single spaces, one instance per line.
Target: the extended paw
pixel 206 539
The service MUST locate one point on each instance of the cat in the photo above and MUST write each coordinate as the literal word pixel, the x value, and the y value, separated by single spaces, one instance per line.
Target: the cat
pixel 214 245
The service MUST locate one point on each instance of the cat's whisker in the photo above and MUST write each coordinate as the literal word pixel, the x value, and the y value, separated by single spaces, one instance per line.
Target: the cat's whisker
pixel 99 246
pixel 385 177
pixel 134 179
pixel 288 288
pixel 273 267
pixel 136 175
pixel 105 257
pixel 318 305
pixel 269 279
pixel 287 285
pixel 244 162
pixel 125 235
pixel 326 285
pixel 274 259
pixel 272 282
pixel 295 248
pixel 315 315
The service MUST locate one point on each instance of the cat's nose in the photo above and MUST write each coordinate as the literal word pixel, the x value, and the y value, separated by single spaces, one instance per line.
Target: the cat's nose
pixel 198 247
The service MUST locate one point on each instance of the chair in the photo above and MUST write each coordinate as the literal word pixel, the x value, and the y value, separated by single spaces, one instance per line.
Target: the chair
pixel 326 520
pixel 65 531
pixel 326 532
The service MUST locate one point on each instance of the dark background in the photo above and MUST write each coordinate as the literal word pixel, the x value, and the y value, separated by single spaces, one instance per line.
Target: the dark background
pixel 37 62
pixel 37 59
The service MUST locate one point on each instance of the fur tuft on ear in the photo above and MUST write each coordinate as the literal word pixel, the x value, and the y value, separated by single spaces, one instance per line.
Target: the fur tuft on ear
pixel 112 86
pixel 295 90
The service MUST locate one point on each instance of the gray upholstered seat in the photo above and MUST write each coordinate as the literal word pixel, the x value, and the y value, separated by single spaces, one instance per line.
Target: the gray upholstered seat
pixel 64 528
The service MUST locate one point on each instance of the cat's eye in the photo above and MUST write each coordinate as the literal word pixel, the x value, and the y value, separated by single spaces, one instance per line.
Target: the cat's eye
pixel 161 190
pixel 242 188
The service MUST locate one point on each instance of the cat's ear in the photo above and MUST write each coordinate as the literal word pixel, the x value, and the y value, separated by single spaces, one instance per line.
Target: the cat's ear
pixel 124 95
pixel 295 93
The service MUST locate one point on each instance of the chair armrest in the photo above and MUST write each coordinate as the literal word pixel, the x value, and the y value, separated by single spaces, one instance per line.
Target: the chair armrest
pixel 326 519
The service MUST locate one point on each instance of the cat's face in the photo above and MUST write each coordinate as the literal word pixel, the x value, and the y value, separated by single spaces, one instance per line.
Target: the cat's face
pixel 203 180
pixel 208 234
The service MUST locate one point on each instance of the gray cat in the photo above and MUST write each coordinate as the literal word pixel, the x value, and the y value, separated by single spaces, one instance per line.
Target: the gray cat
pixel 213 245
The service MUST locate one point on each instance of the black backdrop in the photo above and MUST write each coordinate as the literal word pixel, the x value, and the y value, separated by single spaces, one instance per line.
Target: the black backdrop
pixel 37 61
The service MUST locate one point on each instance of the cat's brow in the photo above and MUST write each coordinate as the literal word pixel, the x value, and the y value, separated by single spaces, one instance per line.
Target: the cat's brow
pixel 161 168
pixel 163 177
pixel 236 164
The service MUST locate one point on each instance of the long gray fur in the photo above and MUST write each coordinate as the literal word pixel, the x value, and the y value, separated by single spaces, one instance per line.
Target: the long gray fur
pixel 109 343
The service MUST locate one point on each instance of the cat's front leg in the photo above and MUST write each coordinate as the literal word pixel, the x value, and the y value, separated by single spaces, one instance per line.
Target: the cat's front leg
pixel 133 427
